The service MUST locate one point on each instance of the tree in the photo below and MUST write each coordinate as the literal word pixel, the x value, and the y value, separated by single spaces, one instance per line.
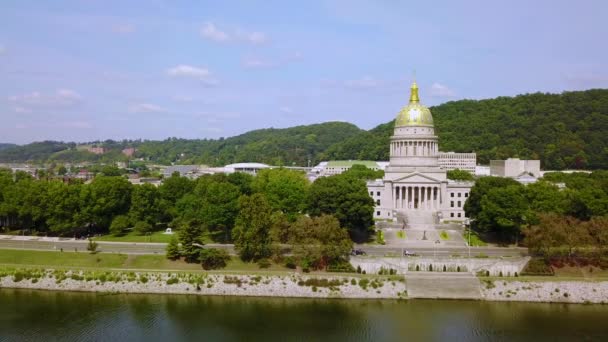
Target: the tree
pixel 172 190
pixel 543 236
pixel 364 173
pixel 143 227
pixel 251 232
pixel 213 258
pixel 284 189
pixel 111 171
pixel 472 206
pixel 190 238
pixel 347 199
pixel 103 199
pixel 461 175
pixel 62 207
pixel 597 228
pixel 545 197
pixel 504 210
pixel 173 252
pixel 119 224
pixel 145 204
pixel 92 246
pixel 319 241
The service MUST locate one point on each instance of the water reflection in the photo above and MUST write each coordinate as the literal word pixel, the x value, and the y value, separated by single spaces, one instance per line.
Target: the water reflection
pixel 38 315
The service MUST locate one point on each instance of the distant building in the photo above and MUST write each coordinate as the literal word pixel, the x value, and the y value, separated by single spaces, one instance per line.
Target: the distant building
pixel 96 150
pixel 190 171
pixel 250 168
pixel 514 167
pixel 462 161
pixel 336 167
pixel 129 151
pixel 482 170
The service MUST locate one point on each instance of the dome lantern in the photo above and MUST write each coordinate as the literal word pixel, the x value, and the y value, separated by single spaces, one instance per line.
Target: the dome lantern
pixel 414 114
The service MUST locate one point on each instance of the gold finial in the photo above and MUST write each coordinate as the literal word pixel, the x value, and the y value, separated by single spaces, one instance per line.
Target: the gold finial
pixel 414 98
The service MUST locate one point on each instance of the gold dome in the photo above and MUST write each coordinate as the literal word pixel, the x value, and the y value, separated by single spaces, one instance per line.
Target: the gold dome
pixel 414 113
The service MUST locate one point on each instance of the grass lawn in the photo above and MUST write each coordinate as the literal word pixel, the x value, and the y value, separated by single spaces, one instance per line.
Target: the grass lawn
pixel 61 259
pixel 444 235
pixel 475 240
pixel 401 234
pixel 28 258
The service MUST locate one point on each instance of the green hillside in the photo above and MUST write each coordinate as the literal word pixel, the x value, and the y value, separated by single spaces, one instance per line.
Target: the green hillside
pixel 564 131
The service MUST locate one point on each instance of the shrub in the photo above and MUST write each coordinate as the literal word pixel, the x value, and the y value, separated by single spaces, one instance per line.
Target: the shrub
pixel 213 258
pixel 341 266
pixel 537 267
pixel 363 283
pixel 92 246
pixel 172 280
pixel 18 276
pixel 143 279
pixel 142 227
pixel 264 263
pixel 173 252
pixel 358 268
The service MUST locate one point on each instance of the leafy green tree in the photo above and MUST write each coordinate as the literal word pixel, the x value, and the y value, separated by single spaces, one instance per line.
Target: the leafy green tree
pixel 173 189
pixel 285 189
pixel 545 197
pixel 251 233
pixel 92 246
pixel 472 206
pixel 347 199
pixel 190 238
pixel 103 199
pixel 119 224
pixel 173 252
pixel 62 207
pixel 319 241
pixel 461 175
pixel 362 172
pixel 146 204
pixel 213 258
pixel 111 171
pixel 143 227
pixel 504 210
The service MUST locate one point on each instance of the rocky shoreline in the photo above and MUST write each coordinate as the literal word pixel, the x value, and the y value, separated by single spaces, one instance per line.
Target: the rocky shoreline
pixel 289 285
pixel 211 284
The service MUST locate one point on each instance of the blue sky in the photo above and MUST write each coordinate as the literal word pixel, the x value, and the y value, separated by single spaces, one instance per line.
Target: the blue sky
pixel 88 70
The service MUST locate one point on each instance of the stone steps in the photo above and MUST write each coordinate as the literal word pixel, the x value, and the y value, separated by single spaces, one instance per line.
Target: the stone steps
pixel 444 285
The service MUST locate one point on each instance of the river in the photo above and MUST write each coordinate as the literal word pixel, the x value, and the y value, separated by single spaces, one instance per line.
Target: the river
pixel 66 316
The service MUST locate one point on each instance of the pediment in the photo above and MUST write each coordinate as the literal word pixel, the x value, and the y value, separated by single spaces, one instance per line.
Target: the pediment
pixel 416 178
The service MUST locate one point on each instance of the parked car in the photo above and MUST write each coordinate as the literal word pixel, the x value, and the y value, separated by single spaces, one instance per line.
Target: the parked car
pixel 358 252
pixel 407 253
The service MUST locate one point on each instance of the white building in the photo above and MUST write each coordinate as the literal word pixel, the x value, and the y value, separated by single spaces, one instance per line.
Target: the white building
pixel 462 161
pixel 250 168
pixel 336 167
pixel 514 167
pixel 415 189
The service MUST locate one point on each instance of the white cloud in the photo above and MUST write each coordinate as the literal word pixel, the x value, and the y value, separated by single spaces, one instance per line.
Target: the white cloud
pixel 440 90
pixel 363 83
pixel 188 71
pixel 209 31
pixel 123 28
pixel 60 98
pixel 145 108
pixel 255 63
pixel 286 110
pixel 19 109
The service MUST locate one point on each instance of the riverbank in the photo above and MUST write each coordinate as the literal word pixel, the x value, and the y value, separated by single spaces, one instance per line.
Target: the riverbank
pixel 553 291
pixel 288 285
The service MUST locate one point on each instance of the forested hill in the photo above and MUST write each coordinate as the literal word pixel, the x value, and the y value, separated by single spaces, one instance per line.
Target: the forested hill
pixel 5 146
pixel 287 146
pixel 567 130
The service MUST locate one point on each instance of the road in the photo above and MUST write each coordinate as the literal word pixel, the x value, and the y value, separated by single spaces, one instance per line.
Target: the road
pixel 159 248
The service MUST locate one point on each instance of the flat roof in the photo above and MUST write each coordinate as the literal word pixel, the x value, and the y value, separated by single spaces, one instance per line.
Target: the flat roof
pixel 343 163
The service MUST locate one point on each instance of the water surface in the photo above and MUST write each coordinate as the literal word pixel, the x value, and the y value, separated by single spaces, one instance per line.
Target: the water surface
pixel 67 316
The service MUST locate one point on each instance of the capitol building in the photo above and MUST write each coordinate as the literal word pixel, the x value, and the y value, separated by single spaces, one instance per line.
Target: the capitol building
pixel 415 189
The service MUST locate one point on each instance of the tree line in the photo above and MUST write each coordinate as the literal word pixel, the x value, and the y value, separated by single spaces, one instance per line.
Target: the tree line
pixel 560 210
pixel 257 214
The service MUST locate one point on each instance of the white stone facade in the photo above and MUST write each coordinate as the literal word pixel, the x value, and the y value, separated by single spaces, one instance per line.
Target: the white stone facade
pixel 462 161
pixel 415 189
pixel 514 167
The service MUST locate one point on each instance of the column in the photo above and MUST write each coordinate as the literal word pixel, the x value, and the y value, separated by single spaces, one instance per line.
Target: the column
pixel 406 199
pixel 418 196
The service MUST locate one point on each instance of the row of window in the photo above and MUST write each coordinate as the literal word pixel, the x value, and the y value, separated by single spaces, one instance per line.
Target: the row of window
pixel 466 194
pixel 452 215
pixel 452 204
